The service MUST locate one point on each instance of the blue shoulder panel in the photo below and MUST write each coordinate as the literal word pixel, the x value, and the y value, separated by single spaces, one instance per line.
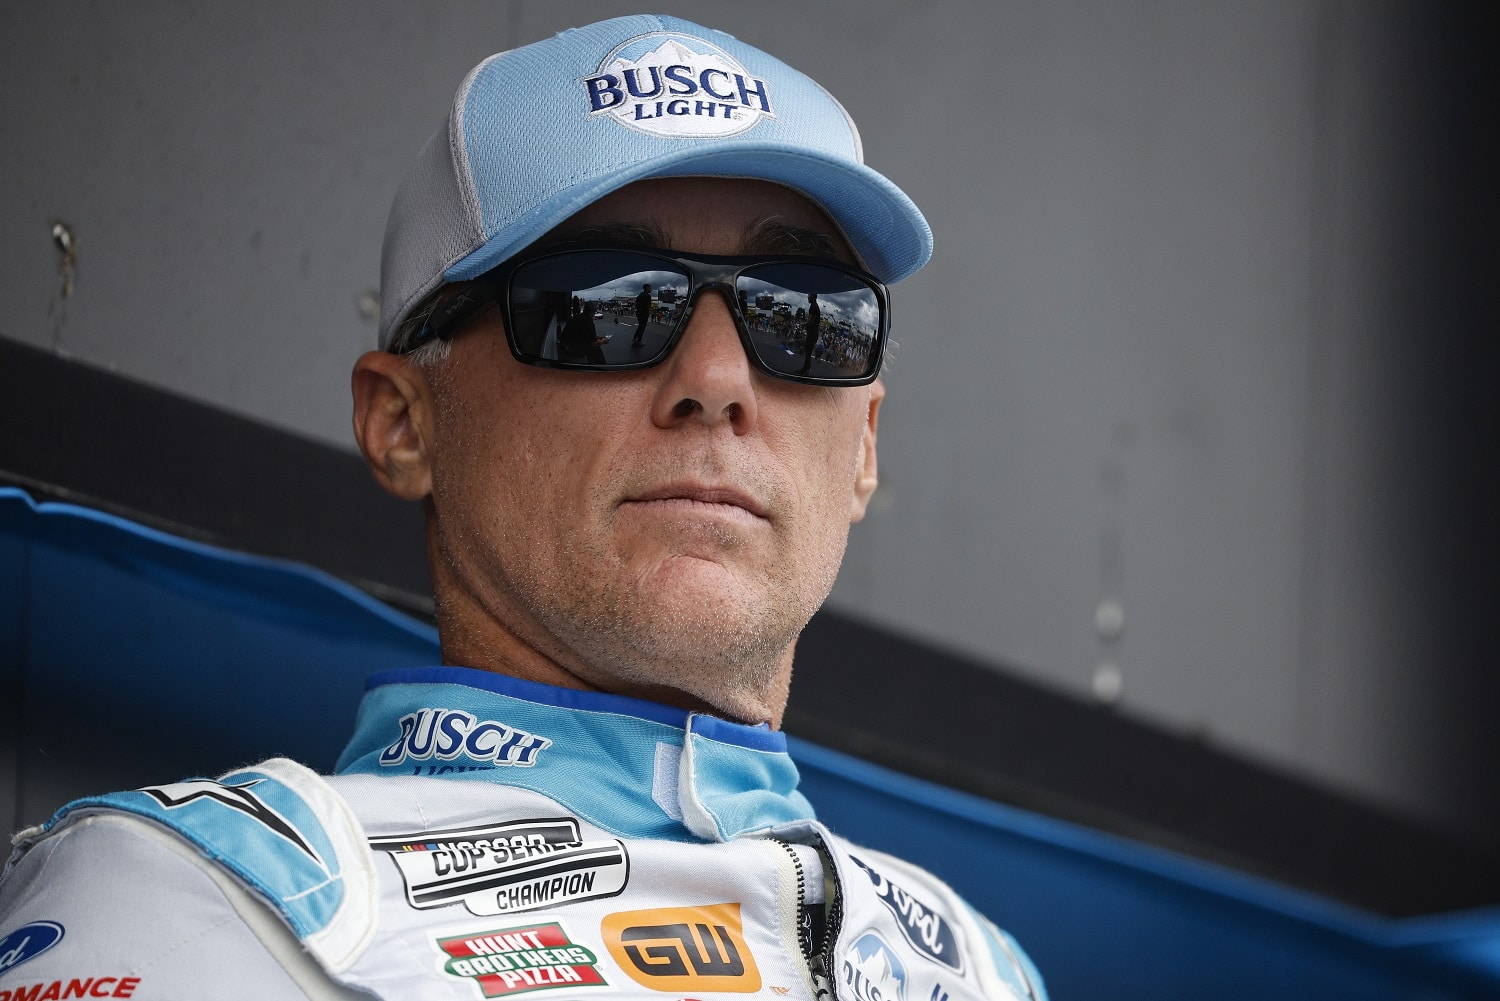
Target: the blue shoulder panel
pixel 1012 965
pixel 252 824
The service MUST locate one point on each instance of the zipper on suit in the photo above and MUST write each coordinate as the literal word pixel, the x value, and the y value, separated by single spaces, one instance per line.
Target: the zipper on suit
pixel 818 918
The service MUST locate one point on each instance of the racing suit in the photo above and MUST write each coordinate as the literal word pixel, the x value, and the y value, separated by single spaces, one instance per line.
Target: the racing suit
pixel 486 837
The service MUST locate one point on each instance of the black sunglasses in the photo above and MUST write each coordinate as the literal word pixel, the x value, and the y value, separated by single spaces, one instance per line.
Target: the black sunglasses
pixel 600 309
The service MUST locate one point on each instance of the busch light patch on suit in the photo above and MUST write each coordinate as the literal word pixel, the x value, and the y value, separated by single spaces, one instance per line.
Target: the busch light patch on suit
pixel 676 86
pixel 448 734
pixel 872 972
pixel 28 942
pixel 515 866
pixel 518 960
pixel 929 932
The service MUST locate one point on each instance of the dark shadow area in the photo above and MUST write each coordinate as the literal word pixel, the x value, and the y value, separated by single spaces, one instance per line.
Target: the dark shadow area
pixel 77 433
pixel 954 721
pixel 1445 336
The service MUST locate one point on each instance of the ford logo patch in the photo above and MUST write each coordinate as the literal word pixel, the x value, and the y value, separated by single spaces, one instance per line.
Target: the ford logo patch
pixel 928 931
pixel 28 942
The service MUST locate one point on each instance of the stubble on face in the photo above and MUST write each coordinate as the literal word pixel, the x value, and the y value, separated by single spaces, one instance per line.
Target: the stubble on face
pixel 540 529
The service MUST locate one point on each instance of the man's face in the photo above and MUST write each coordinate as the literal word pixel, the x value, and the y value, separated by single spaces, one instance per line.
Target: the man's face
pixel 657 532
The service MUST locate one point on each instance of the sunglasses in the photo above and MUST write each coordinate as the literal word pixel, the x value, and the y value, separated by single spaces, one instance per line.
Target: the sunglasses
pixel 600 309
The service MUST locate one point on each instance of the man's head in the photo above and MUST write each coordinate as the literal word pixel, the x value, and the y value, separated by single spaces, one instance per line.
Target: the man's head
pixel 667 527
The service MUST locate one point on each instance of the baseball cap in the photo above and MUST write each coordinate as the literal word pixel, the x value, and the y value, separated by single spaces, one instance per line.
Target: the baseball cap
pixel 539 132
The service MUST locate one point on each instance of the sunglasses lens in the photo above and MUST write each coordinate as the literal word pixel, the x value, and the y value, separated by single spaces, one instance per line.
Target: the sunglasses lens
pixel 595 309
pixel 598 309
pixel 812 321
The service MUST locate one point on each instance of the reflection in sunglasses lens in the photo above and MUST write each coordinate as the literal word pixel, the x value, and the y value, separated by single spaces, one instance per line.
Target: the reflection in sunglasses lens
pixel 805 319
pixel 618 307
pixel 592 308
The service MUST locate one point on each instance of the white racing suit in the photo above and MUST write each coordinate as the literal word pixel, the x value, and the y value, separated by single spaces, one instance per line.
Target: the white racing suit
pixel 487 837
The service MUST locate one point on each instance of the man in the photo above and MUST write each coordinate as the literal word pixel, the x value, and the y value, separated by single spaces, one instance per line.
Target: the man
pixel 579 339
pixel 642 312
pixel 624 552
pixel 810 336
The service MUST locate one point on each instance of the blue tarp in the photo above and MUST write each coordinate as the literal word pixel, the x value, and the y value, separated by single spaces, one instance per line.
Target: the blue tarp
pixel 128 649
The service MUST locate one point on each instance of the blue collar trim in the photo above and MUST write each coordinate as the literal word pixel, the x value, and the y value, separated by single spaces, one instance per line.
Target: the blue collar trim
pixel 759 736
pixel 630 766
pixel 531 691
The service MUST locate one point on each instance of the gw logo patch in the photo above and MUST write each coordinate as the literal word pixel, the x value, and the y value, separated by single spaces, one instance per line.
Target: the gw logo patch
pixel 515 866
pixel 445 734
pixel 519 960
pixel 676 86
pixel 679 949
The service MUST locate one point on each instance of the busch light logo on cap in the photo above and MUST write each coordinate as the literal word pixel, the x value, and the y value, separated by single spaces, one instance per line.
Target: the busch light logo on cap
pixel 677 86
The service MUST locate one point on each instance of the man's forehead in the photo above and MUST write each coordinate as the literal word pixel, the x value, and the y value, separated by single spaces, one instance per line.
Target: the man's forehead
pixel 708 215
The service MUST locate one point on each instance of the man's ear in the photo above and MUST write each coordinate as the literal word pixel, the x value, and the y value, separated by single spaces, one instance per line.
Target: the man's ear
pixel 393 422
pixel 865 473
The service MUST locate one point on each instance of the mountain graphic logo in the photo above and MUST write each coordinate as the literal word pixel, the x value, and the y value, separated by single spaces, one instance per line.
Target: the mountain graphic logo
pixel 872 971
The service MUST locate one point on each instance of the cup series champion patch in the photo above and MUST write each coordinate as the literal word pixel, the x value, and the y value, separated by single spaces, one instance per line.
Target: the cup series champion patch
pixel 677 86
pixel 500 868
pixel 519 960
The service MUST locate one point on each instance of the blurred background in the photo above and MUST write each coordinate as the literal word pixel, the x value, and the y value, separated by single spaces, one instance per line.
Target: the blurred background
pixel 1192 418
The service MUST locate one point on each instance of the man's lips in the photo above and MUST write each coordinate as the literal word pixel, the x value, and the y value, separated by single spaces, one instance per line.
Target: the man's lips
pixel 723 499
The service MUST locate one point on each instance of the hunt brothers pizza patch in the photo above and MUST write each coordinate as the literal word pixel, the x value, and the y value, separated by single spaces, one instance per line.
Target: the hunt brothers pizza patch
pixel 519 960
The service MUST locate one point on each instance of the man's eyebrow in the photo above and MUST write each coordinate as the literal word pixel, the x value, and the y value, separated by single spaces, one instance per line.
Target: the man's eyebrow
pixel 771 236
pixel 612 234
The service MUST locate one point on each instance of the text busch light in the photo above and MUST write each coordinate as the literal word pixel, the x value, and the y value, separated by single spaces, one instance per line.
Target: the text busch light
pixel 445 734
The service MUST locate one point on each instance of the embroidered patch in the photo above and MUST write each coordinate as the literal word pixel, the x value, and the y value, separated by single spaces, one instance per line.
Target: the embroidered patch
pixel 236 796
pixel 681 949
pixel 928 931
pixel 677 86
pixel 518 960
pixel 28 942
pixel 871 971
pixel 447 734
pixel 514 866
pixel 75 987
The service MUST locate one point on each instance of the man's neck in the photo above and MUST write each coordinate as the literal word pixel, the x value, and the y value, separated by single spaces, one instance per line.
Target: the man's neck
pixel 472 635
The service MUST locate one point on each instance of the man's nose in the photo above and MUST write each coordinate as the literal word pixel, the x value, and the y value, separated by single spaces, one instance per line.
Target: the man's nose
pixel 708 379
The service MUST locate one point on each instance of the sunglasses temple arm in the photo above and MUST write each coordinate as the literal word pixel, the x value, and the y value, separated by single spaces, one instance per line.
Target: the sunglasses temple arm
pixel 450 317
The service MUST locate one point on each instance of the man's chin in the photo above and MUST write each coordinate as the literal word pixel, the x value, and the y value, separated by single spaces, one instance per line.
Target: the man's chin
pixel 711 643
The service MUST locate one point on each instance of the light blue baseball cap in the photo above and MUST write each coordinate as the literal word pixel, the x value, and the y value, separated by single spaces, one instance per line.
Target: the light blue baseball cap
pixel 537 133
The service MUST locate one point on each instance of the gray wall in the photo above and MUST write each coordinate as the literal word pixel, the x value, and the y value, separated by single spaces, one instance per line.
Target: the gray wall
pixel 1146 371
